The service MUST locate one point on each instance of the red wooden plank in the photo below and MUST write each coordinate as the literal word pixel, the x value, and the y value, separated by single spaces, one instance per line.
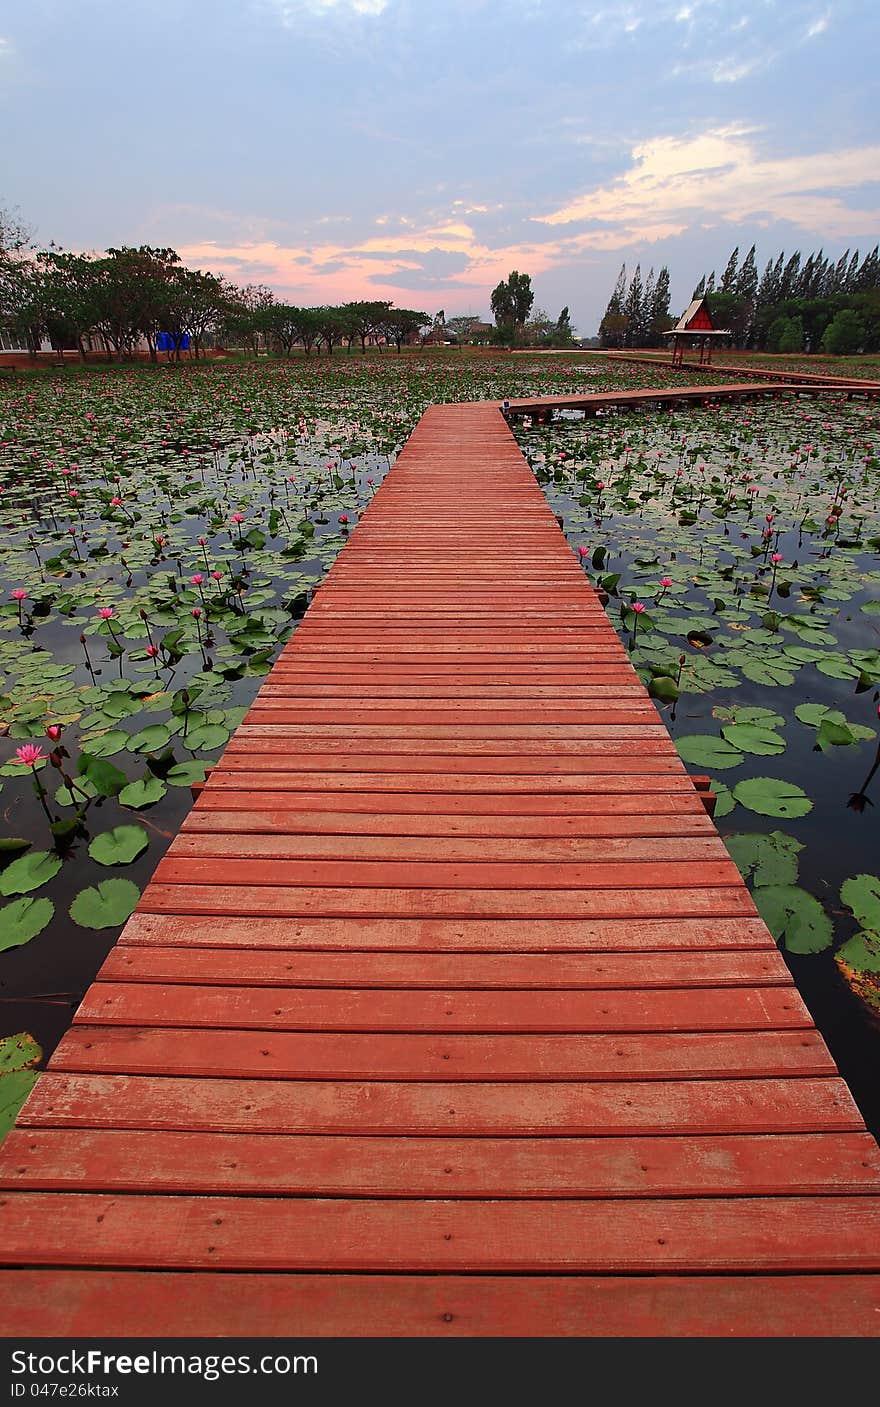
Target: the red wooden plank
pixel 546 971
pixel 70 1303
pixel 596 1236
pixel 270 900
pixel 562 831
pixel 150 1161
pixel 225 1053
pixel 240 841
pixel 464 874
pixel 375 1009
pixel 480 1108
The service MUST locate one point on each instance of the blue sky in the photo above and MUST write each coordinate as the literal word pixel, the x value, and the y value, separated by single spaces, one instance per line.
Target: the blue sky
pixel 421 149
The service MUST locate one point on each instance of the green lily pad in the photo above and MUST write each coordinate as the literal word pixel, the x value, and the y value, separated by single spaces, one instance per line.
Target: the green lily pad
pixel 206 738
pixel 22 920
pixel 770 796
pixel 795 918
pixel 19 1054
pixel 703 750
pixel 141 794
pixel 766 858
pixel 29 872
pixel 106 905
pixel 184 774
pixel 748 737
pixel 862 895
pixel 119 846
pixel 724 798
pixel 105 778
pixel 106 744
pixel 150 739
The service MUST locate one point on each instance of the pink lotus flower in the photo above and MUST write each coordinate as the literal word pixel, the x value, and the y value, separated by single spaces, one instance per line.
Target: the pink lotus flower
pixel 666 581
pixel 19 594
pixel 600 485
pixel 197 578
pixel 582 552
pixel 53 731
pixel 106 612
pixel 777 557
pixel 152 651
pixel 196 613
pixel 218 576
pixel 237 518
pixel 203 542
pixel 116 502
pixel 29 754
pixel 343 518
pixel 638 607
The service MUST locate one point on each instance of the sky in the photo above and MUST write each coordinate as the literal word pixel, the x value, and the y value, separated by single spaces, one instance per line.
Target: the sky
pixel 419 150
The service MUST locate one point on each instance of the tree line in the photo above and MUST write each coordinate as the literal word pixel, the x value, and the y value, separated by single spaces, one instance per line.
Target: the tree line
pixel 125 298
pixel 798 304
pixel 812 304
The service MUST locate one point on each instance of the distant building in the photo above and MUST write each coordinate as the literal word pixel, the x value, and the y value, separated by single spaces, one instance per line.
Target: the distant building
pixel 695 329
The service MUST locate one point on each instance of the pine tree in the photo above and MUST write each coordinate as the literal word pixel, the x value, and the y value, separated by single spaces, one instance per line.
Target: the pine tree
pixel 710 282
pixel 645 310
pixel 612 327
pixel 837 277
pixel 852 273
pixel 658 311
pixel 790 276
pixel 632 309
pixel 869 274
pixel 747 280
pixel 729 277
pixel 700 289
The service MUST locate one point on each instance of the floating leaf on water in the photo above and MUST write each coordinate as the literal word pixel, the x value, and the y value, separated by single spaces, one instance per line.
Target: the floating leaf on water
pixel 770 796
pixel 862 895
pixel 763 742
pixel 119 846
pixel 19 1054
pixel 29 872
pixel 704 750
pixel 105 906
pixel 795 918
pixel 150 739
pixel 143 793
pixel 724 798
pixel 22 920
pixel 766 858
pixel 184 774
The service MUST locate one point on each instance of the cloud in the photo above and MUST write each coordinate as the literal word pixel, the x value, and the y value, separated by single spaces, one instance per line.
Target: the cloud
pixel 818 26
pixel 721 173
pixel 289 11
pixel 5 48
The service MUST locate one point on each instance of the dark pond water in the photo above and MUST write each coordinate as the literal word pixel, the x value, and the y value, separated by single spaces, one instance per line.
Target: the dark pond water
pixel 706 500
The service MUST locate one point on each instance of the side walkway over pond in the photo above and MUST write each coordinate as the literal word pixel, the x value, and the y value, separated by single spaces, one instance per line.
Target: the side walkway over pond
pixel 447 1012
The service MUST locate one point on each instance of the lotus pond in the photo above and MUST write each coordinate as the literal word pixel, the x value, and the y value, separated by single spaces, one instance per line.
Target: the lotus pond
pixel 163 531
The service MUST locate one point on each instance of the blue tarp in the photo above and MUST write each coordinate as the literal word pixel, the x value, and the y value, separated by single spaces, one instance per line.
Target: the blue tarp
pixel 168 342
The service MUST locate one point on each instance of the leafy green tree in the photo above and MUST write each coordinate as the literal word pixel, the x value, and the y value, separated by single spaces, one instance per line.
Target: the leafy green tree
pixel 404 325
pixel 845 335
pixel 563 332
pixel 511 302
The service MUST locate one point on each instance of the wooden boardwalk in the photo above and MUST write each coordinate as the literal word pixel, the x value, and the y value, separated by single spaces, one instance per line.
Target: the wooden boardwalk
pixel 827 379
pixel 447 1012
pixel 663 397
